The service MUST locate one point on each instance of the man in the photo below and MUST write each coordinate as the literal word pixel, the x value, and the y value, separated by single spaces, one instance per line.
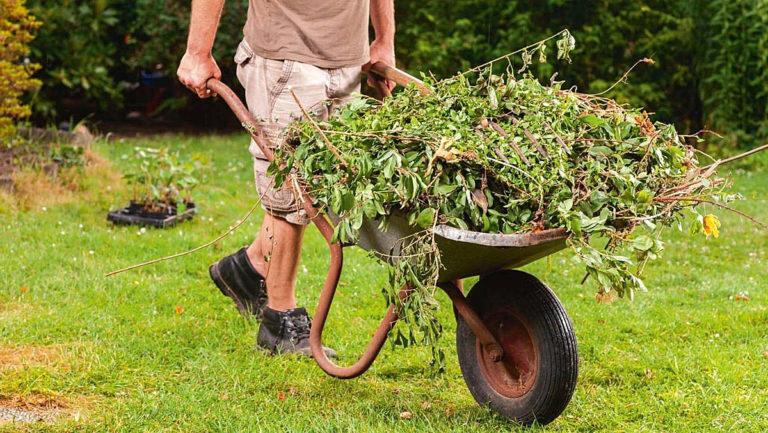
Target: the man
pixel 315 48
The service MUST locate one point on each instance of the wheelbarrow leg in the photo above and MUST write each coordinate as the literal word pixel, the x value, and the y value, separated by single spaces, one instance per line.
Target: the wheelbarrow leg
pixel 487 340
pixel 324 306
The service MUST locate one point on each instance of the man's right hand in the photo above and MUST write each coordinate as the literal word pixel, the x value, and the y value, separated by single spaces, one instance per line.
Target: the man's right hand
pixel 195 70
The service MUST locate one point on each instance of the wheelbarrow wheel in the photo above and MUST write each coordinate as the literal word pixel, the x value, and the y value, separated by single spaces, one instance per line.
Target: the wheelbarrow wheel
pixel 537 376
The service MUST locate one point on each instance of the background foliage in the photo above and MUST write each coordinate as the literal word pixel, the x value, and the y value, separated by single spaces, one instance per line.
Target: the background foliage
pixel 710 55
pixel 94 52
pixel 16 31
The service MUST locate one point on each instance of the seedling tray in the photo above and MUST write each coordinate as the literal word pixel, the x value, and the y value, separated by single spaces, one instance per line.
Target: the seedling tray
pixel 134 215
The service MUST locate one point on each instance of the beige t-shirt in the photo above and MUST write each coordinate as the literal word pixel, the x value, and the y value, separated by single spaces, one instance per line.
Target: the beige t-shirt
pixel 323 33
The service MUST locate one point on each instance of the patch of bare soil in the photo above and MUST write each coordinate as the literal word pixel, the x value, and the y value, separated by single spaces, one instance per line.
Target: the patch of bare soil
pixel 38 409
pixel 17 357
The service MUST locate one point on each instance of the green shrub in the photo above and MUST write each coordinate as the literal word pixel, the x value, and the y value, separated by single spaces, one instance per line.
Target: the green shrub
pixel 710 69
pixel 80 46
pixel 158 34
pixel 17 28
pixel 93 50
pixel 444 37
pixel 733 65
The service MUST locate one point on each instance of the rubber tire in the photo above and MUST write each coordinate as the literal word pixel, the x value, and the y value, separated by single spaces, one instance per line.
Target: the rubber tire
pixel 552 331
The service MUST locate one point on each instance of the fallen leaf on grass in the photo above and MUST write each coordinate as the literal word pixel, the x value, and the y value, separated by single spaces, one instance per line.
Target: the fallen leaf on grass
pixel 406 415
pixel 741 296
pixel 23 289
pixel 648 373
pixel 179 310
pixel 281 395
pixel 606 298
pixel 765 354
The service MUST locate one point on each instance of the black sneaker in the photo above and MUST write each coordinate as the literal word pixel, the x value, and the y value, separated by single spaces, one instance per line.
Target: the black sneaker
pixel 236 278
pixel 287 332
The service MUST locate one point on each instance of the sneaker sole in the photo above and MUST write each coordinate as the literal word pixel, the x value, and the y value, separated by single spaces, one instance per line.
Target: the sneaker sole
pixel 276 352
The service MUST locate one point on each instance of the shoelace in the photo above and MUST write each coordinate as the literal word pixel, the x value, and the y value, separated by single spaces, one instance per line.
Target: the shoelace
pixel 297 328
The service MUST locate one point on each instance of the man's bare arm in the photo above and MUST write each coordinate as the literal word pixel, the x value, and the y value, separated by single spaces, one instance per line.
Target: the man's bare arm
pixel 198 65
pixel 383 46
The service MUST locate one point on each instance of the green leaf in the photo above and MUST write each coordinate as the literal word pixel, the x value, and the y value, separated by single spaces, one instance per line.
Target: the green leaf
pixel 593 120
pixel 602 151
pixel 426 218
pixel 445 189
pixel 642 243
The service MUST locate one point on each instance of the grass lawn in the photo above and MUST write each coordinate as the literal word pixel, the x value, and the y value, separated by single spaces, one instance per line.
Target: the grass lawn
pixel 161 350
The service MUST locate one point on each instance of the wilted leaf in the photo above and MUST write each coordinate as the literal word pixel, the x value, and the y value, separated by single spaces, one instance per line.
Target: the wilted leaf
pixel 479 198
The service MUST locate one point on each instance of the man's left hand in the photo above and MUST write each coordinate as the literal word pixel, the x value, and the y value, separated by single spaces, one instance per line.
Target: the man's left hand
pixel 384 53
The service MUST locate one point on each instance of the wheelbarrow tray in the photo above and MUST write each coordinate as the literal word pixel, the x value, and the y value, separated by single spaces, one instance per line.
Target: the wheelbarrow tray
pixel 464 253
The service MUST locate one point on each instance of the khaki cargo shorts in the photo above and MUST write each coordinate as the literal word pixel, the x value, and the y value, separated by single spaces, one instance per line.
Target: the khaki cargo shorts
pixel 267 86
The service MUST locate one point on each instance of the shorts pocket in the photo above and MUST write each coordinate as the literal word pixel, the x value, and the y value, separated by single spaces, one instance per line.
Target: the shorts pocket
pixel 243 57
pixel 280 200
pixel 243 54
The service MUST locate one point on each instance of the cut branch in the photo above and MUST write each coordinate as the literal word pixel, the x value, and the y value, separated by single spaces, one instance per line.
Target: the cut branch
pixel 311 120
pixel 720 162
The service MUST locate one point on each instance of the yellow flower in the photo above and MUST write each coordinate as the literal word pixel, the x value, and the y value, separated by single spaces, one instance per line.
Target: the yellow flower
pixel 711 226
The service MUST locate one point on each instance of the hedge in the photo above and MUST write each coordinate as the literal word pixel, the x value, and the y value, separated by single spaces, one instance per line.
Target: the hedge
pixel 709 71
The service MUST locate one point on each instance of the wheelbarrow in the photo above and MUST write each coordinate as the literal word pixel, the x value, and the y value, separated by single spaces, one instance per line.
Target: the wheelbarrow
pixel 515 342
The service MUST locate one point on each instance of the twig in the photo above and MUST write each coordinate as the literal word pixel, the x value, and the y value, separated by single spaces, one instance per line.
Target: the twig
pixel 309 118
pixel 506 56
pixel 700 132
pixel 193 250
pixel 624 77
pixel 558 139
pixel 530 137
pixel 516 169
pixel 514 145
pixel 380 135
pixel 714 203
pixel 720 162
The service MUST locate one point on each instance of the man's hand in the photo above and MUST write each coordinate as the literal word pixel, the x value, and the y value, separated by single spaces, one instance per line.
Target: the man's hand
pixel 384 53
pixel 195 70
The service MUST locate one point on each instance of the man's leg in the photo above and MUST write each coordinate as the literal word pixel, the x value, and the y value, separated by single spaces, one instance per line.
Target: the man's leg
pixel 274 255
pixel 278 247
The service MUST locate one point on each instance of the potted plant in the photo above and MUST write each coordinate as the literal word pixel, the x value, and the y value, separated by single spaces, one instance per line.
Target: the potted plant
pixel 162 184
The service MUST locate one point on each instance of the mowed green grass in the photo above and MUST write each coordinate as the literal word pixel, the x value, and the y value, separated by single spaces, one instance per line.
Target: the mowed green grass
pixel 685 357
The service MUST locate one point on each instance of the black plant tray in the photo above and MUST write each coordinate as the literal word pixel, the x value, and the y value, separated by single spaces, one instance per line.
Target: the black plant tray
pixel 135 215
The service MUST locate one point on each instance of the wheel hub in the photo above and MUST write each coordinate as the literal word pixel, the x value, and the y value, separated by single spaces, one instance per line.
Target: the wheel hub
pixel 515 374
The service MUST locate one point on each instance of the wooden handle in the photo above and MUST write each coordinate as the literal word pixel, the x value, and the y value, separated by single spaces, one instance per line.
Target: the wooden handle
pixel 400 77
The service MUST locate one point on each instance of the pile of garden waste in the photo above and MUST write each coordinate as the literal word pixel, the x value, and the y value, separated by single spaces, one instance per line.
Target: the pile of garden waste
pixel 500 152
